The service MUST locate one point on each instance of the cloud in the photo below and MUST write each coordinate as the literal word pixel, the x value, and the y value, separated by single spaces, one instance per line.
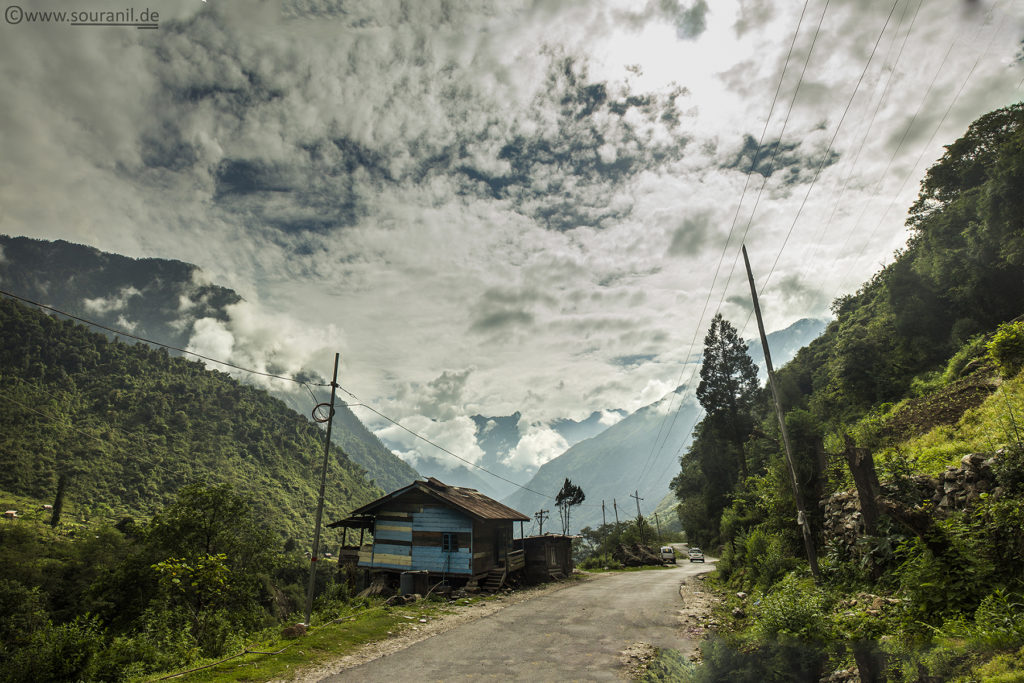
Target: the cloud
pixel 212 338
pixel 611 417
pixel 692 234
pixel 692 21
pixel 457 435
pixel 109 304
pixel 537 445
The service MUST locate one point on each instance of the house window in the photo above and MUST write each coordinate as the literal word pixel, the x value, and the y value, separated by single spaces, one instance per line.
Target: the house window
pixel 449 543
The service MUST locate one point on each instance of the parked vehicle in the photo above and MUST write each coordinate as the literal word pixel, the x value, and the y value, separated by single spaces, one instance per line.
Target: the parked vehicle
pixel 668 554
pixel 696 554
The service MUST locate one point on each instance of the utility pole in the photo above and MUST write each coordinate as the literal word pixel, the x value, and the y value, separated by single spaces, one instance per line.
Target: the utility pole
pixel 320 502
pixel 604 522
pixel 616 515
pixel 540 517
pixel 801 514
pixel 639 517
pixel 658 523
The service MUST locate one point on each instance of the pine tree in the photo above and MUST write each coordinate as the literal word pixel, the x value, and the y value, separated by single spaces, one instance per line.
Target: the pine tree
pixel 728 386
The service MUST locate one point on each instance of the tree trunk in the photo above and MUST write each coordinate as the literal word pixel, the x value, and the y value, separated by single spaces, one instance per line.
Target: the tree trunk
pixel 870 661
pixel 862 467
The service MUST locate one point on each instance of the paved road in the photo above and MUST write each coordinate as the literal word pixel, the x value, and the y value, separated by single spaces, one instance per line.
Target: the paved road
pixel 575 634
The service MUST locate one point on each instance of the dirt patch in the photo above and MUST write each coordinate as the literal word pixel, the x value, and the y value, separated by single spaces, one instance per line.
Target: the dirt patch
pixel 415 631
pixel 695 616
pixel 945 406
pixel 637 658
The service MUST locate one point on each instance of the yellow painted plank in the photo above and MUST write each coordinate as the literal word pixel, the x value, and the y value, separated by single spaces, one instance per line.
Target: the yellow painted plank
pixel 394 513
pixel 386 558
pixel 477 556
pixel 394 527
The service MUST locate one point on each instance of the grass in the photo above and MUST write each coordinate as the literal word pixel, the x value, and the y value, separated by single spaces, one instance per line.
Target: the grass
pixel 997 422
pixel 352 627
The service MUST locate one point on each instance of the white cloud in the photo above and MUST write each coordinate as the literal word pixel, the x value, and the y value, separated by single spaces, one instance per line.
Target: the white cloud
pixel 211 338
pixel 125 324
pixel 537 445
pixel 456 435
pixel 114 303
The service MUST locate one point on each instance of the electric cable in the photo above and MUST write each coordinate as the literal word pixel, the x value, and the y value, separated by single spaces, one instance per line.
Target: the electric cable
pixel 655 448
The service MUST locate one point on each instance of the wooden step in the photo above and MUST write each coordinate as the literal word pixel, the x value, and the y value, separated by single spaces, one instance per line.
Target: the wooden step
pixel 495 580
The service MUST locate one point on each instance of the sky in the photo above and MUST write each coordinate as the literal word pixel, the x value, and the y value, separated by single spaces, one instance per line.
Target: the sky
pixel 494 207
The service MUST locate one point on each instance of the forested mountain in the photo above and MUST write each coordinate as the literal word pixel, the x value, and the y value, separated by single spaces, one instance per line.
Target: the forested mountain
pixel 162 300
pixel 611 465
pixel 126 426
pixel 904 421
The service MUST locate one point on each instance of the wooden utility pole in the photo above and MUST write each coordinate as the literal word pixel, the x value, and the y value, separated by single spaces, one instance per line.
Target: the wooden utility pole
pixel 658 523
pixel 801 514
pixel 540 517
pixel 614 505
pixel 320 502
pixel 604 525
pixel 639 517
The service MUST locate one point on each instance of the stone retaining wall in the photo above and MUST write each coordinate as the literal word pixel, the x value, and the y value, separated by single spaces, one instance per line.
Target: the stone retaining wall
pixel 957 488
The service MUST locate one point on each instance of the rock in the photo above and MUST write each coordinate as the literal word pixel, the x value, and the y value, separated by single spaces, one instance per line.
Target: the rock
pixel 973 460
pixel 738 613
pixel 294 631
pixel 741 595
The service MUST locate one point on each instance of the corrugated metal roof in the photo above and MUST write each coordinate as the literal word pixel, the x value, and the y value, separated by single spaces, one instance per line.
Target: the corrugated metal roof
pixel 469 500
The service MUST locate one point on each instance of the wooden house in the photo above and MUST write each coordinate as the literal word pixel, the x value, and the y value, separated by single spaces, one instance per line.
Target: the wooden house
pixel 446 531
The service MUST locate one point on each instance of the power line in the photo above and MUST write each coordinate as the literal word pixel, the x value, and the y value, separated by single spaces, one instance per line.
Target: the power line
pixel 824 156
pixel 655 448
pixel 924 148
pixel 112 330
pixel 820 234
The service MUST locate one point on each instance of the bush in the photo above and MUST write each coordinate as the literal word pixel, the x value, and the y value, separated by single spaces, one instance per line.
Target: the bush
pixel 972 350
pixel 1007 348
pixel 600 562
pixel 795 608
pixel 57 653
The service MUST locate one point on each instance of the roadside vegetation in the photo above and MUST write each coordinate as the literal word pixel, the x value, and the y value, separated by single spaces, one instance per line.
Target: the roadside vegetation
pixel 906 419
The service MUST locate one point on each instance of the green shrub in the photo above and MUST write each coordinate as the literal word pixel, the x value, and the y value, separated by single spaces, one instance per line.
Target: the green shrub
pixel 1007 348
pixel 964 358
pixel 600 562
pixel 795 608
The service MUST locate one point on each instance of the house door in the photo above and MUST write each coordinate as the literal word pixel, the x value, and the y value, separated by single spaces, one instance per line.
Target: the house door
pixel 500 543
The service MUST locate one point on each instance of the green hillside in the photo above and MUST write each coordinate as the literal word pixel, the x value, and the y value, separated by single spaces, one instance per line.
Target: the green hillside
pixel 128 426
pixel 906 420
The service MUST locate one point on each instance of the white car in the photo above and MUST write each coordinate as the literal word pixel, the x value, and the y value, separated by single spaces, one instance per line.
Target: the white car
pixel 668 554
pixel 696 554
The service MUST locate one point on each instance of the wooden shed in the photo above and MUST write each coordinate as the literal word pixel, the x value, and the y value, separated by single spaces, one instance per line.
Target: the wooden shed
pixel 547 557
pixel 447 531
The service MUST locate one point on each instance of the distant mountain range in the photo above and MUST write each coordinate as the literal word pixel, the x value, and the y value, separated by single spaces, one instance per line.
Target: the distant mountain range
pixel 639 454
